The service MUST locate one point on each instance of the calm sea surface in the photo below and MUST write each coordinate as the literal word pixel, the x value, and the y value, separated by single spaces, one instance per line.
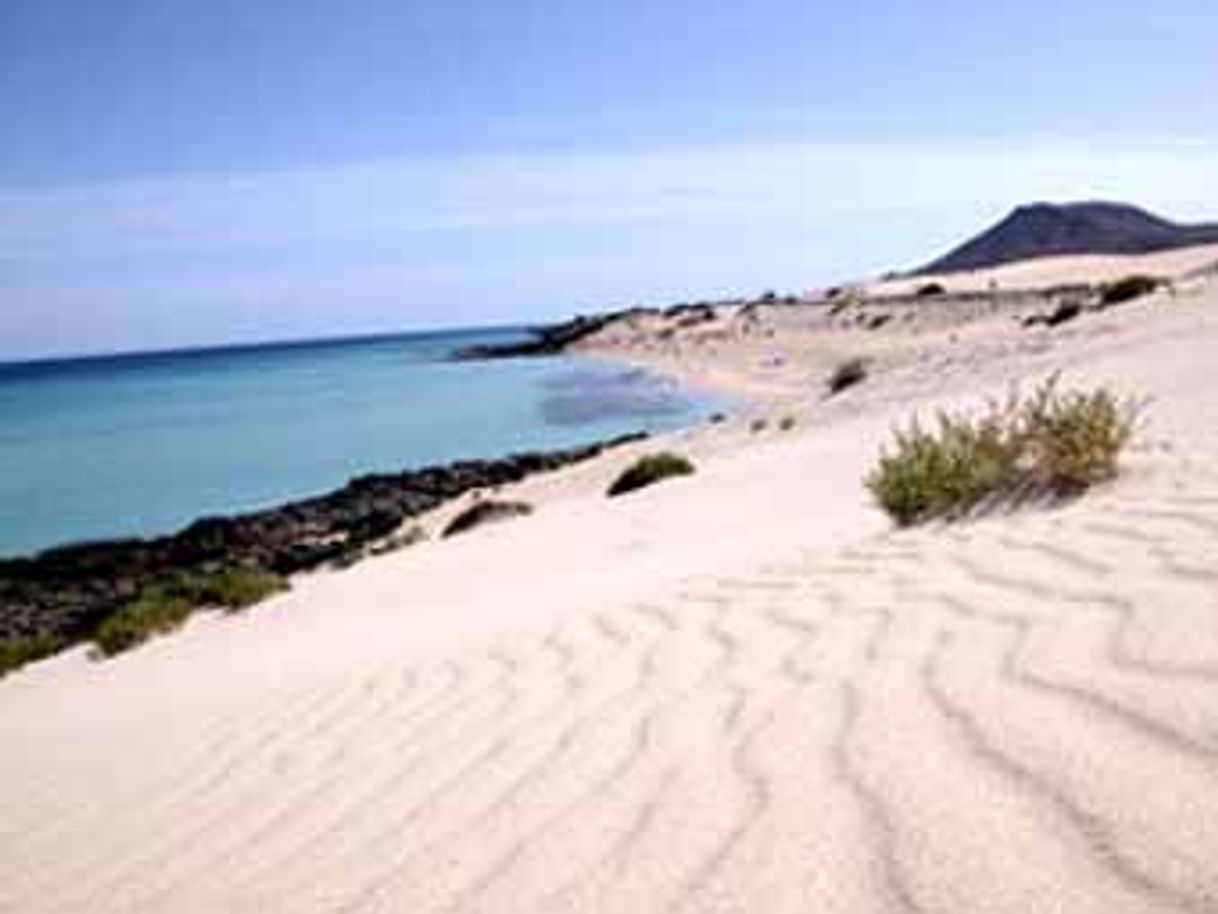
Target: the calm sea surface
pixel 143 444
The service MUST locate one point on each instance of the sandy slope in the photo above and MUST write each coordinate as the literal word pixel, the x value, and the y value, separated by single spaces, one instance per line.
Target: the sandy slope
pixel 738 691
pixel 1044 272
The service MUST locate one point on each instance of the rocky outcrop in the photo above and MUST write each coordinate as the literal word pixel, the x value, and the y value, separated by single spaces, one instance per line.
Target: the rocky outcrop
pixel 548 340
pixel 67 591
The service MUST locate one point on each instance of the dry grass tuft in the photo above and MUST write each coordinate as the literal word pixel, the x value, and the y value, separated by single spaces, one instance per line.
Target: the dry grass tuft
pixel 1053 444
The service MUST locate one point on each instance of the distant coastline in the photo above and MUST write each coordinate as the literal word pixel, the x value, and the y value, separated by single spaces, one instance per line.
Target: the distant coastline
pixel 138 444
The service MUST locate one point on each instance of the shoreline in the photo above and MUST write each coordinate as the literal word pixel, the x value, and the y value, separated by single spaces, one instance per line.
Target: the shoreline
pixel 65 591
pixel 729 691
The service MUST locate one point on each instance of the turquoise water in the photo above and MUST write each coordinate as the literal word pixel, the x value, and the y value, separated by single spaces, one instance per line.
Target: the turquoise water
pixel 143 444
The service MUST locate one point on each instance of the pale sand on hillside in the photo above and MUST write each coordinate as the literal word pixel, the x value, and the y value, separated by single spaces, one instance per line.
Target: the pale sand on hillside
pixel 737 691
pixel 1044 272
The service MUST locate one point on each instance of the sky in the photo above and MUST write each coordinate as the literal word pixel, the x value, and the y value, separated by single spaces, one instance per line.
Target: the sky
pixel 187 173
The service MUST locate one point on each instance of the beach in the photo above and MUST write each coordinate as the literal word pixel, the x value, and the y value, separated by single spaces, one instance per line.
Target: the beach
pixel 741 690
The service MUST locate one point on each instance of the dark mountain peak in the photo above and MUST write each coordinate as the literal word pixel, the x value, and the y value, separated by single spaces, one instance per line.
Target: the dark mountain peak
pixel 1042 229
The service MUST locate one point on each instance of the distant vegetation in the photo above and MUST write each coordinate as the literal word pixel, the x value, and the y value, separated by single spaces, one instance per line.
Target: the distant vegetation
pixel 930 289
pixel 485 512
pixel 847 374
pixel 1052 444
pixel 409 537
pixel 648 470
pixel 165 605
pixel 1128 288
pixel 786 423
pixel 154 612
pixel 17 652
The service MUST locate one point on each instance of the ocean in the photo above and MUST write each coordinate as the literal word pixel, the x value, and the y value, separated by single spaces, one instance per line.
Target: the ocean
pixel 142 444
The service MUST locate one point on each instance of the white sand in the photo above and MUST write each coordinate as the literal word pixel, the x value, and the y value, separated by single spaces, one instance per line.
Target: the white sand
pixel 736 691
pixel 1044 272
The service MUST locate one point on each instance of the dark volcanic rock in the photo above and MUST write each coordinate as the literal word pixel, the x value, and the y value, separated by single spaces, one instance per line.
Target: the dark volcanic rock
pixel 549 340
pixel 66 591
pixel 1044 229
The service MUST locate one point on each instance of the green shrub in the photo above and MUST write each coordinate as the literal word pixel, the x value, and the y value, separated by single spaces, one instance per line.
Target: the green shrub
pixel 230 588
pixel 847 374
pixel 486 512
pixel 163 606
pixel 17 652
pixel 154 612
pixel 238 588
pixel 934 474
pixel 1051 444
pixel 650 469
pixel 408 537
pixel 1128 288
pixel 1071 440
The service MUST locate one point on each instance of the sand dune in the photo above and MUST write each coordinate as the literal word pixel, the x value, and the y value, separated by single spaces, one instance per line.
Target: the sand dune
pixel 1046 272
pixel 737 692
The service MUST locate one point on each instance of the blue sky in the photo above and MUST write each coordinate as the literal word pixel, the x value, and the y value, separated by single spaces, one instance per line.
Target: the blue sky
pixel 177 173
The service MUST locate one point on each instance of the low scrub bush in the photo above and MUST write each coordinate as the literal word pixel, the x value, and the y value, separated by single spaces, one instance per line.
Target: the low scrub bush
pixel 17 652
pixel 847 374
pixel 485 512
pixel 1071 440
pixel 786 423
pixel 649 470
pixel 1128 288
pixel 163 606
pixel 1051 444
pixel 153 612
pixel 409 537
pixel 930 289
pixel 229 588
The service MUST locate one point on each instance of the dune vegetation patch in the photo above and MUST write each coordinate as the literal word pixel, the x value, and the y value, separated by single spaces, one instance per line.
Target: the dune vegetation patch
pixel 231 588
pixel 1053 444
pixel 17 652
pixel 1128 288
pixel 165 605
pixel 649 470
pixel 846 375
pixel 485 512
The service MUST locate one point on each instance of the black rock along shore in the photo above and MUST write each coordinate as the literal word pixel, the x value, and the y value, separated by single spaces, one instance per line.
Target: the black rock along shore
pixel 66 591
pixel 550 339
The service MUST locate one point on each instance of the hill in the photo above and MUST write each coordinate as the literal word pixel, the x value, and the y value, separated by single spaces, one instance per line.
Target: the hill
pixel 1043 229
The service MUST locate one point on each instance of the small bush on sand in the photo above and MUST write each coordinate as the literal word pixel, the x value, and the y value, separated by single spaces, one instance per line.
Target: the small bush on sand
pixel 1071 440
pixel 1128 288
pixel 1052 444
pixel 758 425
pixel 786 423
pixel 163 606
pixel 238 588
pixel 229 588
pixel 930 289
pixel 154 612
pixel 485 512
pixel 648 470
pixel 408 537
pixel 847 374
pixel 17 652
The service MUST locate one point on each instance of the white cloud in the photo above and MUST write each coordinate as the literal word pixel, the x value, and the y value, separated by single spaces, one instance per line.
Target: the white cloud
pixel 560 227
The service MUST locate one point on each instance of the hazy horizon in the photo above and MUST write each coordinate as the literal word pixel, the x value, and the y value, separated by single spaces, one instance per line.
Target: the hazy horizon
pixel 229 174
